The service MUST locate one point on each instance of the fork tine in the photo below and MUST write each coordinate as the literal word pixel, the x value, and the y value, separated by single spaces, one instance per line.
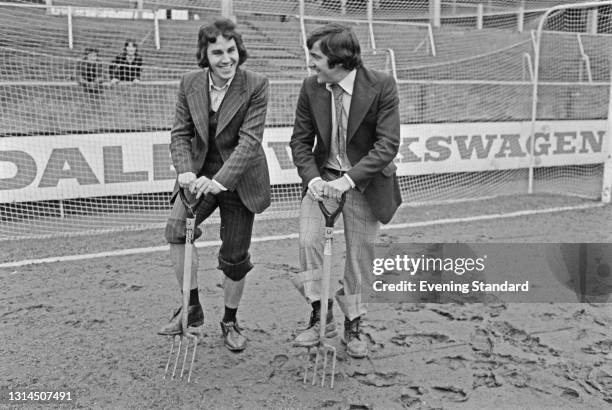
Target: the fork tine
pixel 316 364
pixel 195 346
pixel 185 356
pixel 323 369
pixel 169 357
pixel 178 354
pixel 333 374
pixel 306 365
pixel 182 350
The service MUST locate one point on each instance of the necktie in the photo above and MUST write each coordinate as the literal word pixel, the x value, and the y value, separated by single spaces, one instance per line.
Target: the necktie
pixel 338 92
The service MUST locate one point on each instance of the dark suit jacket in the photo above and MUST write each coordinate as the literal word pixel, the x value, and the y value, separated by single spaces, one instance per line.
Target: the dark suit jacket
pixel 240 127
pixel 373 137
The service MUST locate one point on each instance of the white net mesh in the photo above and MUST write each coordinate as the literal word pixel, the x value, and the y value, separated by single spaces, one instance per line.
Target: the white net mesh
pixel 574 77
pixel 73 160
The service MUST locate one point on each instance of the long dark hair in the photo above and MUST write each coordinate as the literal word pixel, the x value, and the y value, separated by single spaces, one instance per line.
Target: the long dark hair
pixel 208 34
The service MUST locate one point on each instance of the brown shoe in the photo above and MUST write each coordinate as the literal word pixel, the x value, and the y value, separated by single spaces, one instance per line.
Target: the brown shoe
pixel 356 345
pixel 232 336
pixel 195 318
pixel 310 336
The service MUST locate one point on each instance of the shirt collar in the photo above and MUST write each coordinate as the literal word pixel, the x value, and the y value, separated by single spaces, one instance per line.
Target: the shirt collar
pixel 211 85
pixel 347 83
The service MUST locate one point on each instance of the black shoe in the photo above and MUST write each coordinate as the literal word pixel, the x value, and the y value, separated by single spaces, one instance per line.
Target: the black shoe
pixel 310 336
pixel 195 318
pixel 356 345
pixel 232 336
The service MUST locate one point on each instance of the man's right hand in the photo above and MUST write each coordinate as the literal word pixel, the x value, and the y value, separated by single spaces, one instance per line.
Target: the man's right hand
pixel 186 179
pixel 315 189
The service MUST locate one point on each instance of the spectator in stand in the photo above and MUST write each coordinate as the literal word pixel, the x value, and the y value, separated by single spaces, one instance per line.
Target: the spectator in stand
pixel 89 71
pixel 127 65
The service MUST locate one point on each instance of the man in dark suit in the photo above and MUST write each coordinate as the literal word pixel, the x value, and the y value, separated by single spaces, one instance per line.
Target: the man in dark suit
pixel 345 137
pixel 216 151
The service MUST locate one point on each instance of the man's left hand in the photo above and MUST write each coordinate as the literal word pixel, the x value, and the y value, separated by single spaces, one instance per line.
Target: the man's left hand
pixel 334 189
pixel 212 188
pixel 205 186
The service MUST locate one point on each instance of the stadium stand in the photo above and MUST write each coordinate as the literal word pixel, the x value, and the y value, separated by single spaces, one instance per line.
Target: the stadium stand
pixel 459 75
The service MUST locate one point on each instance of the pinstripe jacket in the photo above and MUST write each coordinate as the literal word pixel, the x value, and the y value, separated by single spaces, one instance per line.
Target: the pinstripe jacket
pixel 240 127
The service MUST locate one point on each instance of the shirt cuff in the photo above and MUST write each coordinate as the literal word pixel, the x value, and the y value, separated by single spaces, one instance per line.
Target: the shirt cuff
pixel 312 181
pixel 221 187
pixel 350 180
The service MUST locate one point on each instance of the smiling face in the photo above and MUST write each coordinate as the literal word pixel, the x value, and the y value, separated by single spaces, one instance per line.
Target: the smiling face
pixel 319 63
pixel 130 49
pixel 222 59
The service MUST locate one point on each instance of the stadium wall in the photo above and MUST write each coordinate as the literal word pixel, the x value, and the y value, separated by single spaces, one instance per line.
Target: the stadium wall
pixel 93 165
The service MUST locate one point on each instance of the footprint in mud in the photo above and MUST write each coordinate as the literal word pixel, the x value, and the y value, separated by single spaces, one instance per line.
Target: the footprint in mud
pixel 600 347
pixel 517 378
pixel 410 396
pixel 379 379
pixel 111 284
pixel 456 315
pixel 385 239
pixel 487 379
pixel 410 307
pixel 408 339
pixel 330 403
pixel 86 324
pixel 276 363
pixel 480 341
pixel 495 309
pixel 451 362
pixel 360 406
pixel 46 308
pixel 602 381
pixel 569 393
pixel 522 339
pixel 451 393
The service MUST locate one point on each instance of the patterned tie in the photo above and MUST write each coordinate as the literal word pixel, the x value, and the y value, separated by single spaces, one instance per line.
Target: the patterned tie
pixel 338 92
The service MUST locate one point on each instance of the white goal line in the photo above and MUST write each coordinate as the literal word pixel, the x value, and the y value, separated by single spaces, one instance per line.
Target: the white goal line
pixel 207 244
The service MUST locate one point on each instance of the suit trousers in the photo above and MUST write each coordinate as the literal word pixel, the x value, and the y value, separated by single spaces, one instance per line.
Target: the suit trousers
pixel 235 230
pixel 361 229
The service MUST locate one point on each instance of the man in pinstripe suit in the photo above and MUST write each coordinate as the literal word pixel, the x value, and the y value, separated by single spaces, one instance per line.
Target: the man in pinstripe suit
pixel 345 137
pixel 216 151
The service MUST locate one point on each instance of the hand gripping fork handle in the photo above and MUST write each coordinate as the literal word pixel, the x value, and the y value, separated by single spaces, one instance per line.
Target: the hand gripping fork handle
pixel 185 337
pixel 323 348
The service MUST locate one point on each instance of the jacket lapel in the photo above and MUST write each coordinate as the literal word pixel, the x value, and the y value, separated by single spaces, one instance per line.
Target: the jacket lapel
pixel 321 106
pixel 233 100
pixel 198 99
pixel 363 96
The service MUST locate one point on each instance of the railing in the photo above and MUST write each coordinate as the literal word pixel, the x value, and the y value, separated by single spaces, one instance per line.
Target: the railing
pixel 585 60
pixel 527 59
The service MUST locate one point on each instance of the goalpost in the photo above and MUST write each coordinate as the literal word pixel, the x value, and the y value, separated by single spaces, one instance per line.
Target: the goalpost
pixel 76 162
pixel 572 63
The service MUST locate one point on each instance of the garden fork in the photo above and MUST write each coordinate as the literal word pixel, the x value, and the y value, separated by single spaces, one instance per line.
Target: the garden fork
pixel 325 349
pixel 184 339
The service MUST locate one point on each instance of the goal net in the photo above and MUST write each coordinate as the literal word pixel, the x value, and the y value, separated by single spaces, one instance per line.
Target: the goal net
pixel 574 46
pixel 76 159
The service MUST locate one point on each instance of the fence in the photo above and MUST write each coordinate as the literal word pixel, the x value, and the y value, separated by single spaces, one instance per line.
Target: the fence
pixel 72 161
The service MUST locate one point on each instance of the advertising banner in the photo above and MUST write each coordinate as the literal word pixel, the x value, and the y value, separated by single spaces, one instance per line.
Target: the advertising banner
pixel 38 168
